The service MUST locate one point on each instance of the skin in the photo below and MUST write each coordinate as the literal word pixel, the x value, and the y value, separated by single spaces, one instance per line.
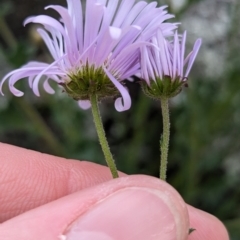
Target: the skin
pixel 42 196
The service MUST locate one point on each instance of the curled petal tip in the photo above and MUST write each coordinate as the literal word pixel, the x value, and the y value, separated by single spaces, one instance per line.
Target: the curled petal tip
pixel 28 20
pixel 120 106
pixel 84 104
pixel 35 88
pixel 48 88
pixel 1 85
pixel 19 94
pixel 16 92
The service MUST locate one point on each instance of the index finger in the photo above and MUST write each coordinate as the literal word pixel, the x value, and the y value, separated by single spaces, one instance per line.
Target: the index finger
pixel 29 179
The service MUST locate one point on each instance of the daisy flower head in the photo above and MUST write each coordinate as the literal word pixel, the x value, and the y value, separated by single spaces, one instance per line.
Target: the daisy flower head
pixel 93 49
pixel 164 67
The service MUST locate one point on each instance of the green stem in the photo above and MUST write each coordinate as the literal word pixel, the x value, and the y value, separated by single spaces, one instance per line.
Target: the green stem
pixel 102 137
pixel 164 142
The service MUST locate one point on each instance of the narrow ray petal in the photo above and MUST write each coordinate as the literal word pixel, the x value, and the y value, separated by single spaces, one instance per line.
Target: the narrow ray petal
pixel 124 103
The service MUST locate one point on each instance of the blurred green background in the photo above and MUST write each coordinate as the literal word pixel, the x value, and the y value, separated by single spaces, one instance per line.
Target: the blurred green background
pixel 204 161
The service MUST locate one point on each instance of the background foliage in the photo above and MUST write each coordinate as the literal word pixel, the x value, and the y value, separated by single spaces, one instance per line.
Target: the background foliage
pixel 204 162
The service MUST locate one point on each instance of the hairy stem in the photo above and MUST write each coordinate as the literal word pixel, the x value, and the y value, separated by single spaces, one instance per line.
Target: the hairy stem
pixel 102 136
pixel 164 142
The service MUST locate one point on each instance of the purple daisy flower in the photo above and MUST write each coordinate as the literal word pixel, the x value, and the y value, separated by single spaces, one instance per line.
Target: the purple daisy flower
pixel 163 64
pixel 93 50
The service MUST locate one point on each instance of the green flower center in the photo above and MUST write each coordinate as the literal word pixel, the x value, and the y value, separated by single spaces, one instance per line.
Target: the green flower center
pixel 165 87
pixel 87 81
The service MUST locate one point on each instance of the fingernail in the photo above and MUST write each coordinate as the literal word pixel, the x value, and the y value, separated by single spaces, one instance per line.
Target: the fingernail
pixel 129 214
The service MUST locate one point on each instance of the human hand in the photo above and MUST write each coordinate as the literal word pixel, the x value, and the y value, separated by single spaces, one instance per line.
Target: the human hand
pixel 44 197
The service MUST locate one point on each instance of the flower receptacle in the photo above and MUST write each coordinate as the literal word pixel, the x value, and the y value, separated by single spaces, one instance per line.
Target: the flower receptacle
pixel 88 81
pixel 163 88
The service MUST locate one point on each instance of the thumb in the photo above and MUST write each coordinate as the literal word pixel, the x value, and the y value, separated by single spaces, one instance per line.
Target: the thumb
pixel 129 208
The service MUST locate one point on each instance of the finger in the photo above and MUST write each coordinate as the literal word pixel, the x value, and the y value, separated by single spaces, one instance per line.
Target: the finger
pixel 207 226
pixel 20 194
pixel 132 207
pixel 29 179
